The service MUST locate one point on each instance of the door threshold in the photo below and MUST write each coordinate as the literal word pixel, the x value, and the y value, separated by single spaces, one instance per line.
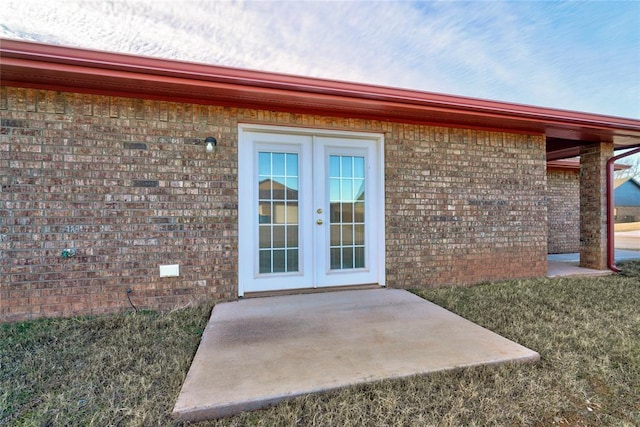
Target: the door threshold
pixel 298 291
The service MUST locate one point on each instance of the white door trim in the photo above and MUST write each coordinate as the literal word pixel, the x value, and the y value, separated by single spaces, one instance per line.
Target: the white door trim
pixel 247 189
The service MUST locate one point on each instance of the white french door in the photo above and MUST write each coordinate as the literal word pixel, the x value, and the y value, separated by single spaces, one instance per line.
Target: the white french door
pixel 311 212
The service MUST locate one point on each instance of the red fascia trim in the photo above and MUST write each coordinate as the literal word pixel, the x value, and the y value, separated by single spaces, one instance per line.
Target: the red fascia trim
pixel 117 82
pixel 364 96
pixel 563 164
pixel 66 77
pixel 575 165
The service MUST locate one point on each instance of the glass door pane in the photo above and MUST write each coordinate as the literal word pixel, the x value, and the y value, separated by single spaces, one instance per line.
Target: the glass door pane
pixel 278 237
pixel 346 212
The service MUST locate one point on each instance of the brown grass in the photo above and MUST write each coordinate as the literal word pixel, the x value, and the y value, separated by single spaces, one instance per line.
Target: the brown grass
pixel 127 369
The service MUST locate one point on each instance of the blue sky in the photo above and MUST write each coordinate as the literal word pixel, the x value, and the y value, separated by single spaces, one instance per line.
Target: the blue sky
pixel 576 55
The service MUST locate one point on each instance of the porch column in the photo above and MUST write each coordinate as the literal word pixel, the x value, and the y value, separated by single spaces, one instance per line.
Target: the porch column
pixel 593 204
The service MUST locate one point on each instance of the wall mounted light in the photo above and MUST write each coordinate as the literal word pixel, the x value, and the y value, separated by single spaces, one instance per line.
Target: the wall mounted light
pixel 210 144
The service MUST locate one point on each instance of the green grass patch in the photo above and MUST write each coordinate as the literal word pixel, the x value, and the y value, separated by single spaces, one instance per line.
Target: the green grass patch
pixel 127 369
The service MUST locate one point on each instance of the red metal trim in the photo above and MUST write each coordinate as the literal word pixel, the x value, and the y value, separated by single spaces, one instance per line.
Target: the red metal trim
pixel 611 252
pixel 575 164
pixel 56 66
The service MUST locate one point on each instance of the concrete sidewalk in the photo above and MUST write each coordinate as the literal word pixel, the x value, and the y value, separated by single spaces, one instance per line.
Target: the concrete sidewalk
pixel 574 257
pixel 562 265
pixel 628 240
pixel 568 268
pixel 257 352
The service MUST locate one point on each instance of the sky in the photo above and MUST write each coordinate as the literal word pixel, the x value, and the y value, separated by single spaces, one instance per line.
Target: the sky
pixel 578 55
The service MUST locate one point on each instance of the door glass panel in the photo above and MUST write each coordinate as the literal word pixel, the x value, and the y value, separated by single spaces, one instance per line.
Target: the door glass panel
pixel 347 235
pixel 335 235
pixel 292 259
pixel 347 163
pixel 265 237
pixel 359 257
pixel 279 263
pixel 334 167
pixel 277 164
pixel 264 211
pixel 347 212
pixel 278 231
pixel 278 236
pixel 292 236
pixel 359 234
pixel 334 190
pixel 264 164
pixel 347 191
pixel 358 212
pixel 358 167
pixel 346 206
pixel 336 258
pixel 265 260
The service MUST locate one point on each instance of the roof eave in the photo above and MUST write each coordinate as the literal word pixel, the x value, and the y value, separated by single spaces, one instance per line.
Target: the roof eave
pixel 63 68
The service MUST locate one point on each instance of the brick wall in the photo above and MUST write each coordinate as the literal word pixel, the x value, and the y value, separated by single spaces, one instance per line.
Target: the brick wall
pixel 128 184
pixel 593 204
pixel 563 205
pixel 465 206
pixel 627 214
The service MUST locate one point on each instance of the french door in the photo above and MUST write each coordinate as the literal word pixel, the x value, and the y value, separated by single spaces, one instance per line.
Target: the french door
pixel 310 212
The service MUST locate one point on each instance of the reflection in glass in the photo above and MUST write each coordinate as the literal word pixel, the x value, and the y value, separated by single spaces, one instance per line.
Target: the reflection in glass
pixel 347 212
pixel 265 237
pixel 264 164
pixel 335 235
pixel 336 259
pixel 347 190
pixel 358 212
pixel 358 167
pixel 277 164
pixel 334 189
pixel 278 238
pixel 334 166
pixel 347 163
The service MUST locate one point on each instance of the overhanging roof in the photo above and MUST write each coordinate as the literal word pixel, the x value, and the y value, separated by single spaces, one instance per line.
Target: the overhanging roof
pixel 574 164
pixel 619 181
pixel 36 65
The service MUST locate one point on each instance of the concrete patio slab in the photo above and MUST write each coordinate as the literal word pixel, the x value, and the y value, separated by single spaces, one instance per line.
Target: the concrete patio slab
pixel 628 240
pixel 257 352
pixel 564 269
pixel 561 265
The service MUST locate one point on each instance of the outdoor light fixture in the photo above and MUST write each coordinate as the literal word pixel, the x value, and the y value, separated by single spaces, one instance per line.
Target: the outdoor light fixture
pixel 210 144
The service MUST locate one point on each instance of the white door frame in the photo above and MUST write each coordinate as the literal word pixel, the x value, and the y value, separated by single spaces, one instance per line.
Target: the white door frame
pixel 247 219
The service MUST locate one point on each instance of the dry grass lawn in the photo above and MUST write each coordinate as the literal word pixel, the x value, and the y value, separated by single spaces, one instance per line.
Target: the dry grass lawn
pixel 127 369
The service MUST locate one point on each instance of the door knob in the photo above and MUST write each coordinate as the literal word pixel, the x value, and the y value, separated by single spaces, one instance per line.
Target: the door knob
pixel 319 222
pixel 319 210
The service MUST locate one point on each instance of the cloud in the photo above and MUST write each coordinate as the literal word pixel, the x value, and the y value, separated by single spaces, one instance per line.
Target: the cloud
pixel 574 55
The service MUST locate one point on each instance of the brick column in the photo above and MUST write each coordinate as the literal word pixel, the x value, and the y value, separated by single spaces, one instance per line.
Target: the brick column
pixel 593 204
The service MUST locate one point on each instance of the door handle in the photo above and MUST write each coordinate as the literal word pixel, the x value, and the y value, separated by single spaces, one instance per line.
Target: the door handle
pixel 319 222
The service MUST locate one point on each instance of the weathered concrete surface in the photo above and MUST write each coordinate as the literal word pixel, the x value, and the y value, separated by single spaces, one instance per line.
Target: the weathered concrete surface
pixel 628 240
pixel 564 269
pixel 560 265
pixel 257 352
